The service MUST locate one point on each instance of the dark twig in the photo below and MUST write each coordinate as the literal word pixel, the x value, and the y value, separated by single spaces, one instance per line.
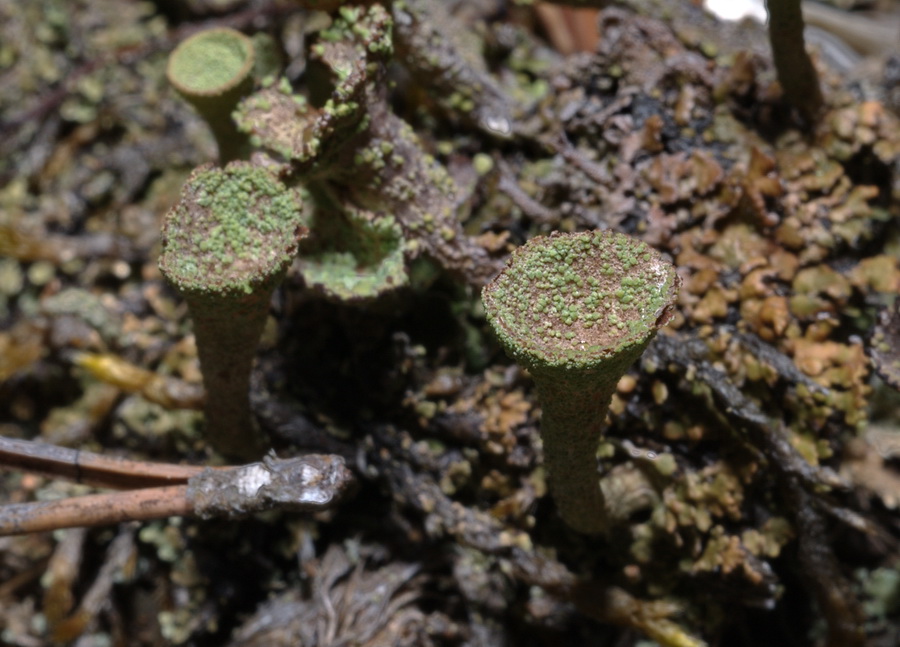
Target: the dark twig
pixel 837 602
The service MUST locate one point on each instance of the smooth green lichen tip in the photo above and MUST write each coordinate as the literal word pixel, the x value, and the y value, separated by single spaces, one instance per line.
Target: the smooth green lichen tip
pixel 211 62
pixel 574 301
pixel 233 230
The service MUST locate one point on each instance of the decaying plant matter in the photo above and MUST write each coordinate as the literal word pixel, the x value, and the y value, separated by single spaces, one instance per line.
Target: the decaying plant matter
pixel 750 499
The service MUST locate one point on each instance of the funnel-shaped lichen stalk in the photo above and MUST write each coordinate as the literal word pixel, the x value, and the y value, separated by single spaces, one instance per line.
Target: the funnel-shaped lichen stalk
pixel 226 245
pixel 213 70
pixel 577 310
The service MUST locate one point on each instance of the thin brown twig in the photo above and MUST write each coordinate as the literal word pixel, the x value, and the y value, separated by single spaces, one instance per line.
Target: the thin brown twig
pixel 307 483
pixel 95 510
pixel 90 468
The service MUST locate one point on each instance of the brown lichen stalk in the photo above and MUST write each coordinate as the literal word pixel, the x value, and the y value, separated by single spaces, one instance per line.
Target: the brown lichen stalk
pixel 796 72
pixel 577 310
pixel 226 246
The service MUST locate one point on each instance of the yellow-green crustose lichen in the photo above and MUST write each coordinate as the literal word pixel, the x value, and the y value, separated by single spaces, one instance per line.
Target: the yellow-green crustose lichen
pixel 233 229
pixel 571 300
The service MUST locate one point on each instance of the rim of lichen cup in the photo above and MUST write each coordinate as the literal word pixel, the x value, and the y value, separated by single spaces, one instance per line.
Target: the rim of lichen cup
pixel 572 301
pixel 211 51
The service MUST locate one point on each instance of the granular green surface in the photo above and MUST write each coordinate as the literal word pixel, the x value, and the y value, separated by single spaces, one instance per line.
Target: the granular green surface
pixel 355 257
pixel 211 62
pixel 572 300
pixel 232 229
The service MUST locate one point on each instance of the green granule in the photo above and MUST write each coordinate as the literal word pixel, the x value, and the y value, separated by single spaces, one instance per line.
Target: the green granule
pixel 210 60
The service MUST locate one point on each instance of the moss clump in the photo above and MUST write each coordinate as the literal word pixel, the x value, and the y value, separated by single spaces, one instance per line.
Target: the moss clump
pixel 226 245
pixel 577 310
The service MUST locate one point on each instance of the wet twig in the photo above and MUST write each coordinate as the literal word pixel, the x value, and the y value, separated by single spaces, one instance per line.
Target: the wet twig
pixel 308 483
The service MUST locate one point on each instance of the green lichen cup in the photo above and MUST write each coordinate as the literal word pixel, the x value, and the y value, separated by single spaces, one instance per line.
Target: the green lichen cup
pixel 577 310
pixel 213 70
pixel 352 255
pixel 226 245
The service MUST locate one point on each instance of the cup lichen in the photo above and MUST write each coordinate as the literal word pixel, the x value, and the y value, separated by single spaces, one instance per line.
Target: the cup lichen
pixel 226 245
pixel 213 70
pixel 356 144
pixel 352 254
pixel 577 310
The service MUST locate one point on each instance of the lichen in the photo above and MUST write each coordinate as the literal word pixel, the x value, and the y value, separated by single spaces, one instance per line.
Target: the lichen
pixel 577 310
pixel 353 255
pixel 226 244
pixel 674 133
pixel 233 230
pixel 355 141
pixel 575 301
pixel 213 70
pixel 211 61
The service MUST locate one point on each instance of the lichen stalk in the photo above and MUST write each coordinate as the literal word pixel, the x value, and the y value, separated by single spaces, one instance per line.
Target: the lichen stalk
pixel 573 418
pixel 577 310
pixel 572 423
pixel 796 72
pixel 226 347
pixel 227 244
